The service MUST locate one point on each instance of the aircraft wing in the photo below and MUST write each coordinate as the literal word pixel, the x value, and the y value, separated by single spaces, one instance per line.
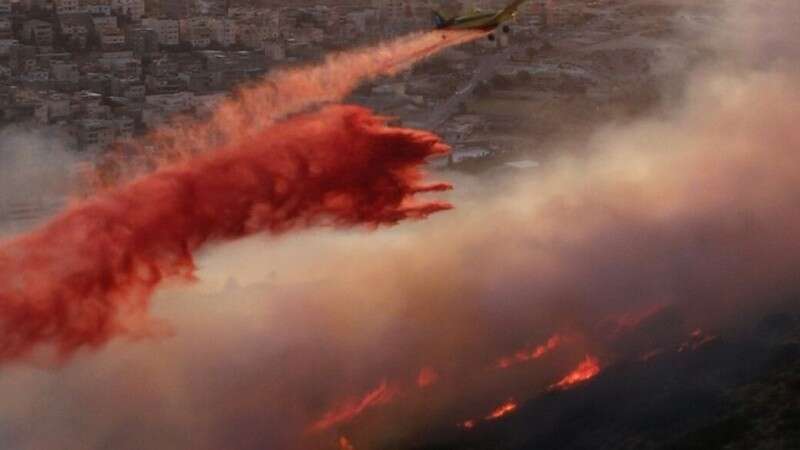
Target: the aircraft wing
pixel 511 8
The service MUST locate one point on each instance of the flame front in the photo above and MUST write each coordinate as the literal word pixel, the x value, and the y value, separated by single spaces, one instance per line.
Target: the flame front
pixel 502 410
pixel 530 354
pixel 468 424
pixel 427 377
pixel 345 444
pixel 586 370
pixel 352 408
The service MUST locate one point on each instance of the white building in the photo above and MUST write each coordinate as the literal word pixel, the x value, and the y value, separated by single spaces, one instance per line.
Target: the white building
pixel 255 35
pixel 65 72
pixel 75 30
pixel 67 6
pixel 38 32
pixel 111 38
pixel 124 127
pixel 223 32
pixel 242 12
pixel 96 134
pixel 168 30
pixel 134 92
pixel 200 37
pixel 104 21
pixel 34 76
pixel 171 103
pixel 6 44
pixel 58 106
pixel 274 51
pixel 96 7
pixel 122 63
pixel 44 5
pixel 249 36
pixel 131 8
pixel 6 31
pixel 196 31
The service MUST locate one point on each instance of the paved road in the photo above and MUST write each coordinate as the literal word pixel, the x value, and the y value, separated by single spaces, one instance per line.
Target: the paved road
pixel 486 69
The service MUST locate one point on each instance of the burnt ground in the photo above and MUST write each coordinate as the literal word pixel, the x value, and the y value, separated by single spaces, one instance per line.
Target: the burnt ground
pixel 738 391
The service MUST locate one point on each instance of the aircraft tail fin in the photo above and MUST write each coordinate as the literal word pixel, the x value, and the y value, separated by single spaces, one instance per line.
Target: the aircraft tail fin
pixel 438 19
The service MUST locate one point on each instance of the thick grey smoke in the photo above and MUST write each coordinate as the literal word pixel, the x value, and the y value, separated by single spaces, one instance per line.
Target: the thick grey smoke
pixel 695 207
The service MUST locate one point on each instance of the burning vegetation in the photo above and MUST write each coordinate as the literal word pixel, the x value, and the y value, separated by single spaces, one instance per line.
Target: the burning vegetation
pixel 502 410
pixel 352 408
pixel 650 237
pixel 530 354
pixel 586 370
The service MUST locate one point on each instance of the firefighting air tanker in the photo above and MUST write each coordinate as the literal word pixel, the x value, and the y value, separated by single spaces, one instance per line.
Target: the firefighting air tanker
pixel 479 20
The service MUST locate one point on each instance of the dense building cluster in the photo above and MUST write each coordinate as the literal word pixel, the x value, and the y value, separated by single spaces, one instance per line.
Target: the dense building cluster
pixel 102 70
pixel 98 71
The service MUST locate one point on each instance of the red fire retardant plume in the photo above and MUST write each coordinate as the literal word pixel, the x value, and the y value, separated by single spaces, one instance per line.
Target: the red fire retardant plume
pixel 87 275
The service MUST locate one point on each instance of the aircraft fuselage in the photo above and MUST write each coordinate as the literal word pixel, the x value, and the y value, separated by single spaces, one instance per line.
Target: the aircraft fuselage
pixel 485 21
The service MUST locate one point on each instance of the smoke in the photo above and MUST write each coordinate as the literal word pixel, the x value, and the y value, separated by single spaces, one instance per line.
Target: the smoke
pixel 81 278
pixel 34 175
pixel 88 275
pixel 693 210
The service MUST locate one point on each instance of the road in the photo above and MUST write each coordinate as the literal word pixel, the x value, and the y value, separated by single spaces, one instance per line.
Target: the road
pixel 486 69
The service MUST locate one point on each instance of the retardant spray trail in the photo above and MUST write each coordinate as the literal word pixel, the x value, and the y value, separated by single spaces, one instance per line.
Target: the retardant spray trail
pixel 278 95
pixel 87 275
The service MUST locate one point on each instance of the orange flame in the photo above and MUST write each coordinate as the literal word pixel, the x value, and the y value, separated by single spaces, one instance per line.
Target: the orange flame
pixel 530 354
pixel 350 409
pixel 468 424
pixel 345 444
pixel 586 370
pixel 502 410
pixel 427 377
pixel 697 339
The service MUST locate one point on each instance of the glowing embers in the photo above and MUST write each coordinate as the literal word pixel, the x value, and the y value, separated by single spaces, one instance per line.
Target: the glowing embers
pixel 385 393
pixel 345 444
pixel 427 377
pixel 502 410
pixel 697 339
pixel 353 407
pixel 586 370
pixel 530 354
pixel 468 424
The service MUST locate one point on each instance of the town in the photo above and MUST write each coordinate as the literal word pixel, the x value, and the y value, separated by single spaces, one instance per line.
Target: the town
pixel 105 70
pixel 92 73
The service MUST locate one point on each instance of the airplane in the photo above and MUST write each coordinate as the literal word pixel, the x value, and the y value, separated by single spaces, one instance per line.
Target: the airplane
pixel 479 20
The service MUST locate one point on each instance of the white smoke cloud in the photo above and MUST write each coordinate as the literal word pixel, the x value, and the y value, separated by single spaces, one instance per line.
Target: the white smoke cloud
pixel 695 206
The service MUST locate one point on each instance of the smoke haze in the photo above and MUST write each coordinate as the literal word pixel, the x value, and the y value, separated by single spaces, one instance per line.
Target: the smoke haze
pixel 693 209
pixel 79 279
